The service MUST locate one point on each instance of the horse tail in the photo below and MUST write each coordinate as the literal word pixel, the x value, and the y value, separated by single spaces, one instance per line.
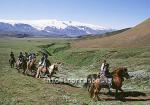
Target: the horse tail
pixel 91 90
pixel 90 79
pixel 86 84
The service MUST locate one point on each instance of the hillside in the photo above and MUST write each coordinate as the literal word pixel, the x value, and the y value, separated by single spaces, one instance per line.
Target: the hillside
pixel 92 36
pixel 134 37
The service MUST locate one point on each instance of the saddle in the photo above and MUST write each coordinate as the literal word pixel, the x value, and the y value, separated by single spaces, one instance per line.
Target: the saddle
pixel 105 80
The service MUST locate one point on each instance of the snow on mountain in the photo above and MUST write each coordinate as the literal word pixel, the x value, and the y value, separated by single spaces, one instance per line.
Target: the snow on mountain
pixel 51 27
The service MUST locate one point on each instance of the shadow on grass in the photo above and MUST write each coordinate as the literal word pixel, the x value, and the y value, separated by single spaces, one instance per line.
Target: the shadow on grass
pixel 69 84
pixel 127 96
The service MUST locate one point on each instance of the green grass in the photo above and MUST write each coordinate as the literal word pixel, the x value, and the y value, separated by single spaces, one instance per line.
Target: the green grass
pixel 17 89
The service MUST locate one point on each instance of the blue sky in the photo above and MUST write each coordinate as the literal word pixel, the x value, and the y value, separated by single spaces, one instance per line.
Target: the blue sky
pixel 108 13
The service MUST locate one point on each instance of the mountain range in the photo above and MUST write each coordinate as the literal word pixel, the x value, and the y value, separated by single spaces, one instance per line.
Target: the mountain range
pixel 48 28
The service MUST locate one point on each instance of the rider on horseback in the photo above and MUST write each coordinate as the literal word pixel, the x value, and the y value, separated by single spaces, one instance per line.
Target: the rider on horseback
pixel 12 56
pixel 31 61
pixel 12 60
pixel 44 61
pixel 26 56
pixel 20 58
pixel 105 74
pixel 103 67
pixel 31 56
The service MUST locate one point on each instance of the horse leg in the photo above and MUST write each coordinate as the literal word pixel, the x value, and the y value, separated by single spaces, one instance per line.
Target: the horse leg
pixel 109 91
pixel 24 70
pixel 38 72
pixel 28 63
pixel 98 91
pixel 96 94
pixel 91 90
pixel 31 65
pixel 17 67
pixel 27 68
pixel 12 64
pixel 122 93
pixel 89 84
pixel 116 95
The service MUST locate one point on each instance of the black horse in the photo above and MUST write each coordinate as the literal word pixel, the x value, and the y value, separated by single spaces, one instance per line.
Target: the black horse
pixel 12 62
pixel 90 79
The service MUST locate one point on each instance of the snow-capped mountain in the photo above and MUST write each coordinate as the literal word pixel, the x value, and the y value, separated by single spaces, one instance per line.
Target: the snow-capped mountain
pixel 49 28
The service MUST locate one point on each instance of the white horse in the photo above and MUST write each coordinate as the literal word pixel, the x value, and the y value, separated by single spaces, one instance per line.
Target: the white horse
pixel 50 70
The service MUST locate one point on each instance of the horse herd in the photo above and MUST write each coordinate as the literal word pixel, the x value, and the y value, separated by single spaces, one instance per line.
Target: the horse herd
pixel 94 82
pixel 31 68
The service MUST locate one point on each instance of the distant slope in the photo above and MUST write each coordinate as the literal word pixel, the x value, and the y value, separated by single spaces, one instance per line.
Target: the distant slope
pixel 92 36
pixel 134 37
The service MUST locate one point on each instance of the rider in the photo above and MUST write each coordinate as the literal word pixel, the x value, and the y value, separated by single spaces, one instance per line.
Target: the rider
pixel 44 61
pixel 107 73
pixel 103 67
pixel 12 56
pixel 20 57
pixel 104 73
pixel 31 56
pixel 26 56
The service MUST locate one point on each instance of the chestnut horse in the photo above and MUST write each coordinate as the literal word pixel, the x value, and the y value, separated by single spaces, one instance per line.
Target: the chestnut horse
pixel 117 79
pixel 31 64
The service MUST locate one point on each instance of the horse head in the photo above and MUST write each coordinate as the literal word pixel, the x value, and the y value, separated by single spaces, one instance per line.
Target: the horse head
pixel 124 72
pixel 54 68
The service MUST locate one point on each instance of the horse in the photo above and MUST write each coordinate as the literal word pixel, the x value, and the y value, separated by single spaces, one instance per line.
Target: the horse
pixel 12 62
pixel 31 65
pixel 50 70
pixel 21 64
pixel 92 77
pixel 118 76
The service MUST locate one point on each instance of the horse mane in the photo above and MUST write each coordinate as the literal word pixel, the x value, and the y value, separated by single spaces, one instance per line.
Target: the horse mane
pixel 118 70
pixel 53 66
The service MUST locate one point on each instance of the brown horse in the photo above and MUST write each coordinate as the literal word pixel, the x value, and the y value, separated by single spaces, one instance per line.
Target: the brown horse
pixel 31 64
pixel 21 64
pixel 117 79
pixel 50 70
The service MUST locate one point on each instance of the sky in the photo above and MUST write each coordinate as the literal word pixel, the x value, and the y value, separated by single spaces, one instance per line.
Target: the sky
pixel 108 13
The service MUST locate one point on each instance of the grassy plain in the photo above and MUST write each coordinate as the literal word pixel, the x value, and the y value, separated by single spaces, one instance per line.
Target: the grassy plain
pixel 17 89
